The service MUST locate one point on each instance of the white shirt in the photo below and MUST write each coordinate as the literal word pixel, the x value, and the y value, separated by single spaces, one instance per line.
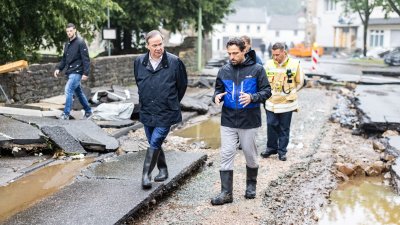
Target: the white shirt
pixel 155 62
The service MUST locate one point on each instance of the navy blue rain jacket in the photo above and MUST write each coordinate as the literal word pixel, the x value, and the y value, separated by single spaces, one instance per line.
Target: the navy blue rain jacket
pixel 248 77
pixel 75 58
pixel 160 90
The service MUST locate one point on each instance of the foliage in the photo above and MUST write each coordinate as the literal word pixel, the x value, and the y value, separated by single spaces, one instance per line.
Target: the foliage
pixel 26 26
pixel 173 15
pixel 392 5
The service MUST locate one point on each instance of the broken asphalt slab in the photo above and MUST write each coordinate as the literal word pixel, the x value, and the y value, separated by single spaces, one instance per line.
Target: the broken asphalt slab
pixel 109 192
pixel 61 137
pixel 85 131
pixel 390 71
pixel 16 132
pixel 357 78
pixel 379 107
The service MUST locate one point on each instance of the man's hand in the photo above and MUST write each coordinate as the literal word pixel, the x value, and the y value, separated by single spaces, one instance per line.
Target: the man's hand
pixel 84 77
pixel 244 99
pixel 218 98
pixel 56 72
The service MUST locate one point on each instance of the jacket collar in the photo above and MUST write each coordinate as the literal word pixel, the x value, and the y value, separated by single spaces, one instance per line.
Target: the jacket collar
pixel 163 63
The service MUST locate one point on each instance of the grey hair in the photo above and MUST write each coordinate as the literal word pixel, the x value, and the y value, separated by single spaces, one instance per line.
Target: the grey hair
pixel 279 45
pixel 152 34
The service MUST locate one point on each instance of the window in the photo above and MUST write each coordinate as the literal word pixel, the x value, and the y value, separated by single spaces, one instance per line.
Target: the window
pixel 295 32
pixel 376 38
pixel 330 5
pixel 223 28
pixel 258 29
pixel 277 33
pixel 237 28
pixel 248 28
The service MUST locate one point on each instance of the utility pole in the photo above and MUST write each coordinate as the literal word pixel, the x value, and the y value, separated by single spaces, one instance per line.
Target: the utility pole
pixel 108 26
pixel 199 39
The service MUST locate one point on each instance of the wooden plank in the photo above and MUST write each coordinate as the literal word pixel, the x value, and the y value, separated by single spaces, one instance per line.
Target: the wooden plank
pixel 13 66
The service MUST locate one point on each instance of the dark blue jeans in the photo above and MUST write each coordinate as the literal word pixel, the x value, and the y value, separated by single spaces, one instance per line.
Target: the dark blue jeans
pixel 278 130
pixel 156 135
pixel 72 86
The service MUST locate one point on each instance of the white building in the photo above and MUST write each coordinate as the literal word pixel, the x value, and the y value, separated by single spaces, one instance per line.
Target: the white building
pixel 255 23
pixel 334 29
pixel 286 28
pixel 245 21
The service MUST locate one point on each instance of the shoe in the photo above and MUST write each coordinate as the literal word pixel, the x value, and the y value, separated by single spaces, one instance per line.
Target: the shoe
pixel 64 117
pixel 267 153
pixel 282 157
pixel 88 115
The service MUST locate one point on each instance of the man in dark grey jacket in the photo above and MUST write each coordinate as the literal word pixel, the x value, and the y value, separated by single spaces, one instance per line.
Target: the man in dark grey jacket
pixel 162 80
pixel 76 62
pixel 241 85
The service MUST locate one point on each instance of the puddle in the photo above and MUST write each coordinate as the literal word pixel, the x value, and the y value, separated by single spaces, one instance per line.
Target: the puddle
pixel 365 201
pixel 22 193
pixel 207 131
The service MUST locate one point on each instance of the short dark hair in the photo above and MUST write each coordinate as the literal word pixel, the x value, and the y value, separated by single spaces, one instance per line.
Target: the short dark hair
pixel 152 34
pixel 69 25
pixel 246 39
pixel 279 45
pixel 236 41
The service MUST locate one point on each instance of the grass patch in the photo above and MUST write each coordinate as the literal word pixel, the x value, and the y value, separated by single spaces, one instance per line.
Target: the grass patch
pixel 368 61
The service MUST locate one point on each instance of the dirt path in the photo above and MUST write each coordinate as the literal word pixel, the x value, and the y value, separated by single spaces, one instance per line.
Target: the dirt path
pixel 291 192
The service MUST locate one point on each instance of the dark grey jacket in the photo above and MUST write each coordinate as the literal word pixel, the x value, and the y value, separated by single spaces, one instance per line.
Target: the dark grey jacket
pixel 75 58
pixel 248 77
pixel 160 90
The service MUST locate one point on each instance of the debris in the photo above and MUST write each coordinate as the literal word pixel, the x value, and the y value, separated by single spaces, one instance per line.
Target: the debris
pixel 21 64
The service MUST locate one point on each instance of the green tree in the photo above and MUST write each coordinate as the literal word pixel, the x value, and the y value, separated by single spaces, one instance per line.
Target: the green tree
pixel 174 15
pixel 364 9
pixel 27 26
pixel 394 5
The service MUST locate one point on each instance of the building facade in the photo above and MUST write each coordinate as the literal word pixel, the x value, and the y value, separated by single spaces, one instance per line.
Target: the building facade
pixel 335 29
pixel 263 29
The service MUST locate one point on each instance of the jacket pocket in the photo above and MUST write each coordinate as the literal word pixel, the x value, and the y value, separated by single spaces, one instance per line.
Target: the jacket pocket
pixel 173 103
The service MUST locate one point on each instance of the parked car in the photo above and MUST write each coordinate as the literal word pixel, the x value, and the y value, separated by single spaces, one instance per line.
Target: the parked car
pixel 216 62
pixel 393 57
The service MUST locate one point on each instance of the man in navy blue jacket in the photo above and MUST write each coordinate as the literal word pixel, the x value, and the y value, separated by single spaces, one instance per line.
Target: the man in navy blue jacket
pixel 77 64
pixel 162 80
pixel 241 85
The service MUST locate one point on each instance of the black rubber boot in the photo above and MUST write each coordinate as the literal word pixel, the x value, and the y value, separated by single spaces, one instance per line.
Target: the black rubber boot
pixel 251 182
pixel 226 189
pixel 149 163
pixel 162 167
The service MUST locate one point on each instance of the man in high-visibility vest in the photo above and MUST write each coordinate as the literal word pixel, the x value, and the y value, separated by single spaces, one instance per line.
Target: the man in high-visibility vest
pixel 286 78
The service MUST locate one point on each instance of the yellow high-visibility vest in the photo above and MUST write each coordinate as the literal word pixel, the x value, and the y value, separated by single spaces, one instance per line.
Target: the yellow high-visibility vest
pixel 283 87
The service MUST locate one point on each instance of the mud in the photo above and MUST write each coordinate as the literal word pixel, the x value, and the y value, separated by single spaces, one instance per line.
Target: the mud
pixel 292 192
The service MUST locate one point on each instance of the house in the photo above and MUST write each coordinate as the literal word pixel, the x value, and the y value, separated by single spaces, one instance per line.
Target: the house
pixel 255 23
pixel 245 21
pixel 335 29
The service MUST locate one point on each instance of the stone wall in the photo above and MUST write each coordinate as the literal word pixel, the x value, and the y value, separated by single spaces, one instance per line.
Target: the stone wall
pixel 37 82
